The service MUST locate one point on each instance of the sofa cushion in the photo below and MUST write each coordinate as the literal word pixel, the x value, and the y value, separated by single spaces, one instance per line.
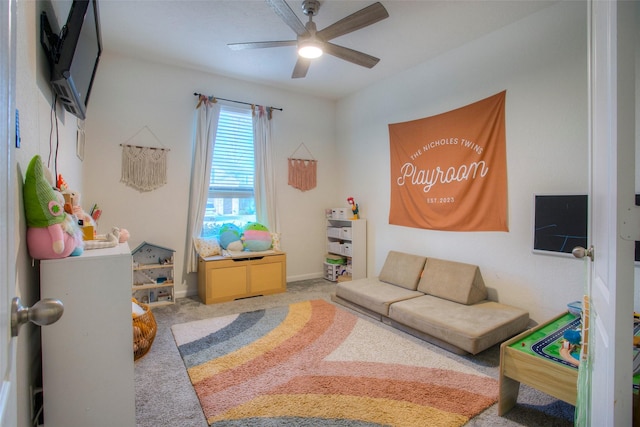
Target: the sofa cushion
pixel 373 294
pixel 472 328
pixel 454 281
pixel 402 269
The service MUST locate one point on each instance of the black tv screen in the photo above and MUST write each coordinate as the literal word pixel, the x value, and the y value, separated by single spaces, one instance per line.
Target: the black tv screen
pixel 637 255
pixel 560 223
pixel 74 55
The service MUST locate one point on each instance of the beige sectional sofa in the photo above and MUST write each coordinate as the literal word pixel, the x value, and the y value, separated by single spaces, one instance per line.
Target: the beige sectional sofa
pixel 443 302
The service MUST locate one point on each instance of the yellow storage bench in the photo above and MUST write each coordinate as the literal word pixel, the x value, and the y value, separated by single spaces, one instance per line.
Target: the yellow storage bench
pixel 222 278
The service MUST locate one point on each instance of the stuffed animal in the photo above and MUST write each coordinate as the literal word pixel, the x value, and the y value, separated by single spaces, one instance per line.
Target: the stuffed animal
pixel 124 235
pixel 230 234
pixel 256 237
pixel 72 207
pixel 51 233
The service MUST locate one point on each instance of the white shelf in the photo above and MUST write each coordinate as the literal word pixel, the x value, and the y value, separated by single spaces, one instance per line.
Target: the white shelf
pixel 348 238
pixel 152 267
pixel 152 286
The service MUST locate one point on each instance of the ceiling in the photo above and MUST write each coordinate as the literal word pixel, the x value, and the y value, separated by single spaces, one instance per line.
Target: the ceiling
pixel 194 34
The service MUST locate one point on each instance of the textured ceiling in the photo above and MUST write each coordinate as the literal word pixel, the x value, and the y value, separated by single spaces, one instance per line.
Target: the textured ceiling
pixel 194 34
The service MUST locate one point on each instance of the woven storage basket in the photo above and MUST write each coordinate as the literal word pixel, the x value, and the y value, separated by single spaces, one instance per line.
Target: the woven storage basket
pixel 144 331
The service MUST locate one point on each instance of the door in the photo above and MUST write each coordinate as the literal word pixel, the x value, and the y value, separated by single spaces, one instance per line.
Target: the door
pixel 8 400
pixel 611 131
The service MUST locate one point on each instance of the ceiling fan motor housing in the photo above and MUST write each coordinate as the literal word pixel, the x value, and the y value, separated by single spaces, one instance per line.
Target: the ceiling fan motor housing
pixel 310 7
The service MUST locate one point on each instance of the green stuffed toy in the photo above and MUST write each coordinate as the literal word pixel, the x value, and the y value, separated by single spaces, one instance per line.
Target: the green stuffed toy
pixel 51 233
pixel 256 237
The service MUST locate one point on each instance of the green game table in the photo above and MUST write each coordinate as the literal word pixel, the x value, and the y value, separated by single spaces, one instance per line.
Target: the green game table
pixel 535 357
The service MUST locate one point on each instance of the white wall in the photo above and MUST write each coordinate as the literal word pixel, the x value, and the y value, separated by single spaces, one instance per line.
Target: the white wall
pixel 541 62
pixel 130 95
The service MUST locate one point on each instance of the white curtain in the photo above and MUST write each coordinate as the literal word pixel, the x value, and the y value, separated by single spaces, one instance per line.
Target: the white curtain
pixel 207 117
pixel 264 180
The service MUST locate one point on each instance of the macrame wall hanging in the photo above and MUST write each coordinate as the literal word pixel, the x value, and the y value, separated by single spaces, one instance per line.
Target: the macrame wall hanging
pixel 302 171
pixel 144 168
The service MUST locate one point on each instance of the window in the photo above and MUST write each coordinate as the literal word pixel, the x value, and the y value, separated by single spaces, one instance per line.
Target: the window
pixel 231 196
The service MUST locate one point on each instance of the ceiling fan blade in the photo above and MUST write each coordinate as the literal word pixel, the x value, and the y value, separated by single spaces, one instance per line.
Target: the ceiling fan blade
pixel 282 9
pixel 260 45
pixel 301 68
pixel 360 19
pixel 358 58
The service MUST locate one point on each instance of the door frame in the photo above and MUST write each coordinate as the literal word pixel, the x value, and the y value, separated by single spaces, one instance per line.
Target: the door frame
pixel 8 386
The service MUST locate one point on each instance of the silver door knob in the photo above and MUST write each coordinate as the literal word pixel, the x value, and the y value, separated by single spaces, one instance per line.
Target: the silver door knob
pixel 44 312
pixel 580 252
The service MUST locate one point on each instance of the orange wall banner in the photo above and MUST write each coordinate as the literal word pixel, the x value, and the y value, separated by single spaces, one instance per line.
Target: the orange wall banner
pixel 449 171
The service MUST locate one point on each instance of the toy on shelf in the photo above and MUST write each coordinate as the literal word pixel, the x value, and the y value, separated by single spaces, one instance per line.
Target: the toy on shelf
pixel 72 207
pixel 354 207
pixel 95 212
pixel 51 232
pixel 61 184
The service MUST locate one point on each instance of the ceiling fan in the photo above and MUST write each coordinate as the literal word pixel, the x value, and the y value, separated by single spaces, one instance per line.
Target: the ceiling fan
pixel 312 43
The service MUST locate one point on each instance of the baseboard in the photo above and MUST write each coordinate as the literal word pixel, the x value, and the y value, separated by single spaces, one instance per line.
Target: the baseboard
pixel 183 293
pixel 300 277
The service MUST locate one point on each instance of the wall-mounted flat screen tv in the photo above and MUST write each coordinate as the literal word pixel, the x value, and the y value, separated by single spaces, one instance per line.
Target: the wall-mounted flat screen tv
pixel 560 223
pixel 74 54
pixel 637 256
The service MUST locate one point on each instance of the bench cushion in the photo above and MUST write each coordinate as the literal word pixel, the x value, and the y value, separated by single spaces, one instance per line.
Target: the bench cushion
pixel 373 294
pixel 454 281
pixel 473 328
pixel 402 269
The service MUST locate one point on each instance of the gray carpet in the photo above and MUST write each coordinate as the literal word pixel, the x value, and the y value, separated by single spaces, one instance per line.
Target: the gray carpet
pixel 165 396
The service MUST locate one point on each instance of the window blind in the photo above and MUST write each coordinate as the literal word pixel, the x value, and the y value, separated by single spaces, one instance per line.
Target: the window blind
pixel 232 168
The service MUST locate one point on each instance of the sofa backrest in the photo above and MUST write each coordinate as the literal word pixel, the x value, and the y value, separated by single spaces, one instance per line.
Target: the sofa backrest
pixel 454 281
pixel 402 269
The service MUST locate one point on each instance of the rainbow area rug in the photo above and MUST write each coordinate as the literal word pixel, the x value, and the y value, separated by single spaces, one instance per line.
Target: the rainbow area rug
pixel 314 364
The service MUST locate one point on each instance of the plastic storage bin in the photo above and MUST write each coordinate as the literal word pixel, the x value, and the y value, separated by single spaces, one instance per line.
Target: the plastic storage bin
pixel 333 271
pixel 335 247
pixel 346 249
pixel 340 213
pixel 335 232
pixel 345 233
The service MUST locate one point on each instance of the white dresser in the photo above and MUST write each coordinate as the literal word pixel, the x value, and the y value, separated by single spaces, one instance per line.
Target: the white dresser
pixel 87 355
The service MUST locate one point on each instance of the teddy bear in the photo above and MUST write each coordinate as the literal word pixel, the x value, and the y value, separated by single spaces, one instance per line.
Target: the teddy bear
pixel 51 232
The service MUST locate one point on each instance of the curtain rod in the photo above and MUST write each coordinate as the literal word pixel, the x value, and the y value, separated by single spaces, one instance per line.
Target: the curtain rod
pixel 231 100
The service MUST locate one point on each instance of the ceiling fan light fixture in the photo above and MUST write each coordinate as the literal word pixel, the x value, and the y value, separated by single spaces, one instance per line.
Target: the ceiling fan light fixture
pixel 311 43
pixel 310 49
